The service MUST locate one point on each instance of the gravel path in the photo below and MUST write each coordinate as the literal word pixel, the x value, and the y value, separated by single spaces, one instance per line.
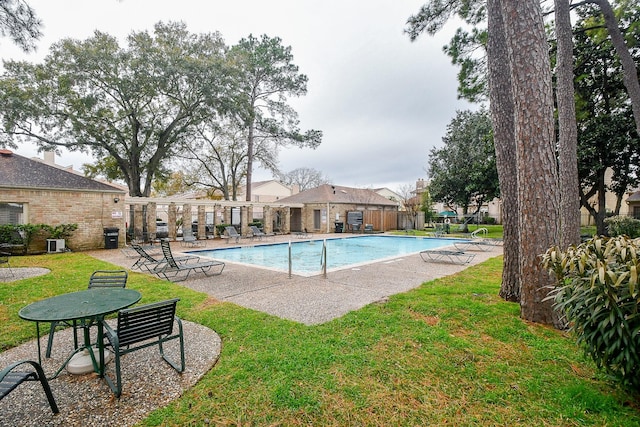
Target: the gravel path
pixel 86 400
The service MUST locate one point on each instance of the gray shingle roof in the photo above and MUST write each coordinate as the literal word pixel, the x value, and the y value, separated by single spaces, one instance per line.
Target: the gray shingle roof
pixel 634 197
pixel 20 172
pixel 337 194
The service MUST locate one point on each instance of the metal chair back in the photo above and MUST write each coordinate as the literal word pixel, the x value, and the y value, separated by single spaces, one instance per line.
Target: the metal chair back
pixel 108 279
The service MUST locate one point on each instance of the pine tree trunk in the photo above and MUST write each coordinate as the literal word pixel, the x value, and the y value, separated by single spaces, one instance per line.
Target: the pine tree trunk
pixel 568 131
pixel 502 115
pixel 537 182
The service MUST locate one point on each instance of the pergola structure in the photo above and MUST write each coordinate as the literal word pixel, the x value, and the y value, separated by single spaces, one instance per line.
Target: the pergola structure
pixel 144 211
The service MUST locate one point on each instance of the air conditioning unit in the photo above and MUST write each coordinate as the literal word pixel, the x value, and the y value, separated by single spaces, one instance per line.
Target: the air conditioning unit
pixel 55 245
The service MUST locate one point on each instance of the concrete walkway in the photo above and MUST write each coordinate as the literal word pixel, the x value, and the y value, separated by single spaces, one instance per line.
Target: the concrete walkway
pixel 311 300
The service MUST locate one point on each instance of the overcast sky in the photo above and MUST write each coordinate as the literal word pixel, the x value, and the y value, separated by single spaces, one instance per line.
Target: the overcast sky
pixel 381 101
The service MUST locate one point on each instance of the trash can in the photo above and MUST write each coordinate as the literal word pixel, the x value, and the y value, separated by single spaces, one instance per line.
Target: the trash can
pixel 111 237
pixel 339 226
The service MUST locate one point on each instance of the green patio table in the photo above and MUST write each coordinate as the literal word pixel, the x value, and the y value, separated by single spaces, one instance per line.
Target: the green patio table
pixel 89 306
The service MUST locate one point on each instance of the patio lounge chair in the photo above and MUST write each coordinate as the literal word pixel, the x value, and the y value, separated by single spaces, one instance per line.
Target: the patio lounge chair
pixel 302 234
pixel 189 240
pixel 98 279
pixel 149 262
pixel 259 234
pixel 231 233
pixel 172 270
pixel 141 327
pixel 452 257
pixel 471 245
pixel 10 379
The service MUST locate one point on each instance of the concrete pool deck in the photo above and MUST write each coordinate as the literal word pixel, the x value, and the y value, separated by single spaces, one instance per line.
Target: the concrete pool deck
pixel 310 300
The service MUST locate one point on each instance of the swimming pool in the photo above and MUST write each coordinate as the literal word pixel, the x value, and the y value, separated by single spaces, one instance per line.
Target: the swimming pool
pixel 346 252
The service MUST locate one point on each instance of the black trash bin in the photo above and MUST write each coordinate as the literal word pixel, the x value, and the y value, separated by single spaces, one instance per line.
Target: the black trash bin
pixel 111 237
pixel 339 226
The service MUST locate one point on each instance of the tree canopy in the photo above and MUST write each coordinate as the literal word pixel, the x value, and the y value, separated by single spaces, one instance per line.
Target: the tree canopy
pixel 266 78
pixel 463 172
pixel 163 96
pixel 304 178
pixel 19 22
pixel 137 104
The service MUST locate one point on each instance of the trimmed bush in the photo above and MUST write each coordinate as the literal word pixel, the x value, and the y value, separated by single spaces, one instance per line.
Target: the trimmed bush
pixel 597 291
pixel 620 225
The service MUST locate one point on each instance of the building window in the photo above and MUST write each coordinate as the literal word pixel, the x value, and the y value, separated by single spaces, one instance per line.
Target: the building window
pixel 12 213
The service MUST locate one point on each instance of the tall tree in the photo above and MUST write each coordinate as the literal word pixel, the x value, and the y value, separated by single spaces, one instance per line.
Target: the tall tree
pixel 629 70
pixel 267 77
pixel 19 22
pixel 304 178
pixel 538 190
pixel 609 145
pixel 137 104
pixel 502 116
pixel 567 128
pixel 463 172
pixel 411 203
pixel 216 159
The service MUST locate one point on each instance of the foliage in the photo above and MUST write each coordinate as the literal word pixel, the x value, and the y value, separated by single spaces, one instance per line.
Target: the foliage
pixel 417 356
pixel 304 178
pixel 19 22
pixel 463 172
pixel 217 158
pixel 607 138
pixel 61 231
pixel 266 77
pixel 426 206
pixel 220 228
pixel 466 48
pixel 136 104
pixel 598 293
pixel 621 225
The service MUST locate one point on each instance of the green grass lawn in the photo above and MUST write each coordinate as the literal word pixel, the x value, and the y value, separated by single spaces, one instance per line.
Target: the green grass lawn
pixel 450 352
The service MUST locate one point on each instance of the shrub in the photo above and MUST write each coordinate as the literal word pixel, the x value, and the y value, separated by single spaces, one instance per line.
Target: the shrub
pixel 598 293
pixel 61 231
pixel 220 228
pixel 620 225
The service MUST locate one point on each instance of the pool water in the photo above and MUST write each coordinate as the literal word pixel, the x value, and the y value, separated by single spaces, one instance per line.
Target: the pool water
pixel 341 252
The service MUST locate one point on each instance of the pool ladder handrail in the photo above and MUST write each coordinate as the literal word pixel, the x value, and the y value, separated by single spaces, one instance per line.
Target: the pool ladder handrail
pixel 323 258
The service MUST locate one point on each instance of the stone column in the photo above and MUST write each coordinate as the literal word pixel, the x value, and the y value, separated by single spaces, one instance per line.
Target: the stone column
pixel 186 219
pixel 151 221
pixel 202 226
pixel 267 219
pixel 286 227
pixel 244 220
pixel 171 221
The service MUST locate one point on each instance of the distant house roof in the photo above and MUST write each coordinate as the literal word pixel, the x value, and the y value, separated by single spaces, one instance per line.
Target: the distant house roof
pixel 328 193
pixel 635 197
pixel 20 172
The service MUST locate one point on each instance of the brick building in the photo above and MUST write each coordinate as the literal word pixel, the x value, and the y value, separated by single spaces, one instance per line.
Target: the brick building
pixel 33 192
pixel 327 206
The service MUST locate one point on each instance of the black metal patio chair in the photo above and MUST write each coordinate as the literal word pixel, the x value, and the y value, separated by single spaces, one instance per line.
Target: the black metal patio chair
pixel 141 327
pixel 10 379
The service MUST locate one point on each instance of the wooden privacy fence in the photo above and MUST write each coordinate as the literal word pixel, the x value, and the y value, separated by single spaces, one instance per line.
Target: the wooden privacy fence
pixel 381 220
